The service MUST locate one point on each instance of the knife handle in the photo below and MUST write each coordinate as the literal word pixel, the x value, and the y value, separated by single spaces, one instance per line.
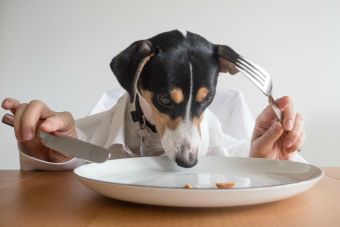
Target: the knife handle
pixel 8 119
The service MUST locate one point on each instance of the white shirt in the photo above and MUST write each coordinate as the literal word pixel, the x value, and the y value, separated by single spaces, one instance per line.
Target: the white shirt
pixel 226 129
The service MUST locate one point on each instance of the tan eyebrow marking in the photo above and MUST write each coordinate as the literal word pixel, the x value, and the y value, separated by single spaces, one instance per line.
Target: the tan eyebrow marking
pixel 201 94
pixel 177 95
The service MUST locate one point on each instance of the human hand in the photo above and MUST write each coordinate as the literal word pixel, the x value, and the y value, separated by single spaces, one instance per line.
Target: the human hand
pixel 33 116
pixel 273 140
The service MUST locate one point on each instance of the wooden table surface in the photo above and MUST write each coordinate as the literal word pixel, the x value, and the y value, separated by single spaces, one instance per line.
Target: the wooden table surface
pixel 42 198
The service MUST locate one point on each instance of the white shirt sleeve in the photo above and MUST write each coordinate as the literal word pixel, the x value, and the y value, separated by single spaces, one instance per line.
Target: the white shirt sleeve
pixel 31 163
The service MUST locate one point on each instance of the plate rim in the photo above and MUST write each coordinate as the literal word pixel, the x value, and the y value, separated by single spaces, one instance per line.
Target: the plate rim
pixel 286 185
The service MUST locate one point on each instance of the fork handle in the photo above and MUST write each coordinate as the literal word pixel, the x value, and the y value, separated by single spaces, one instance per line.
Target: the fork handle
pixel 275 108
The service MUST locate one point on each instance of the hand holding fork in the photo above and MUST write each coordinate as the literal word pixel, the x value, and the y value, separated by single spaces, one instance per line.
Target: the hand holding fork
pixel 270 139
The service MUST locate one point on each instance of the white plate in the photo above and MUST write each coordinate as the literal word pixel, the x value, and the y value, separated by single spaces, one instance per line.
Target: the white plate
pixel 159 181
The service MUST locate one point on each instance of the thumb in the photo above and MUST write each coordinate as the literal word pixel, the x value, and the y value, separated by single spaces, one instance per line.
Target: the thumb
pixel 271 135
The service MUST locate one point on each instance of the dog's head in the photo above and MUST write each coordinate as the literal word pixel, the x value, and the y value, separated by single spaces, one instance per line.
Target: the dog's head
pixel 176 73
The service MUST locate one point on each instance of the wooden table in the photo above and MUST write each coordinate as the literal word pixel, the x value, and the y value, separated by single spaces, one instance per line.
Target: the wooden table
pixel 42 198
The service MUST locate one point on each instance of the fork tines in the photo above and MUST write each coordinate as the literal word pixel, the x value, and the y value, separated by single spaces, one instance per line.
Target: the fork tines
pixel 253 72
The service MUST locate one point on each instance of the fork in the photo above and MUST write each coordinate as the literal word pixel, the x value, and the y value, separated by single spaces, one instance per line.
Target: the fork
pixel 261 79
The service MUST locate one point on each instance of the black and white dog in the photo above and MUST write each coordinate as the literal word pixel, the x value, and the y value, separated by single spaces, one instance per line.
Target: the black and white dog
pixel 174 75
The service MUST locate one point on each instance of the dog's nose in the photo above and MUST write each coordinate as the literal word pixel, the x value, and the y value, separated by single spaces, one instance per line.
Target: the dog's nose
pixel 186 156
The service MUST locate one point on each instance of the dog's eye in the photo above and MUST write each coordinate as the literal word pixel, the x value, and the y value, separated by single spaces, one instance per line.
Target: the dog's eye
pixel 164 100
pixel 208 98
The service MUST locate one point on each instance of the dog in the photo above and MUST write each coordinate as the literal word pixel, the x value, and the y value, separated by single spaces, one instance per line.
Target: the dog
pixel 171 79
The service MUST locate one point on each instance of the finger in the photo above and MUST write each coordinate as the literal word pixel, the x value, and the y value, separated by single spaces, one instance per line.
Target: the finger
pixel 59 122
pixel 17 121
pixel 264 121
pixel 298 143
pixel 270 136
pixel 286 105
pixel 10 104
pixel 267 115
pixel 295 133
pixel 283 102
pixel 35 111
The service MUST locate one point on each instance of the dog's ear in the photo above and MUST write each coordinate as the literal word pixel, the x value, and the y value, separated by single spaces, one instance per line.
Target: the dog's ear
pixel 125 65
pixel 227 58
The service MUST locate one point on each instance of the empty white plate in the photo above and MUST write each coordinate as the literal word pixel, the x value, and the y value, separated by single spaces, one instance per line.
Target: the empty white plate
pixel 159 181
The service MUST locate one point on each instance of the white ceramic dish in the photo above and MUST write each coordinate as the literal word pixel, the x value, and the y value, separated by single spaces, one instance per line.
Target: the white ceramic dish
pixel 159 181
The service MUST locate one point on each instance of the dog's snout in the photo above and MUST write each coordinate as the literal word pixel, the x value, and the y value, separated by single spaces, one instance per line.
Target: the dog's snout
pixel 186 156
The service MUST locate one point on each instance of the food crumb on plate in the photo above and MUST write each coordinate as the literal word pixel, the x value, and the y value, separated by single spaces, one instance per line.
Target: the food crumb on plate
pixel 188 186
pixel 225 185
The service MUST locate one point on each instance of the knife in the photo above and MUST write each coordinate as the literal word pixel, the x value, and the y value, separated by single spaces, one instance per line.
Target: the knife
pixel 68 145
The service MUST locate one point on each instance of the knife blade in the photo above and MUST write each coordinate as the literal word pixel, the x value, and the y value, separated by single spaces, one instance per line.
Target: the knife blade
pixel 68 145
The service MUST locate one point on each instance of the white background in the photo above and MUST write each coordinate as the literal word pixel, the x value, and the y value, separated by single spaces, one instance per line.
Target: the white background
pixel 59 52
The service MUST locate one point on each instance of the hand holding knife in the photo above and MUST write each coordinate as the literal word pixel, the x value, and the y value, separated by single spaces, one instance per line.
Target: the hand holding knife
pixel 68 145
